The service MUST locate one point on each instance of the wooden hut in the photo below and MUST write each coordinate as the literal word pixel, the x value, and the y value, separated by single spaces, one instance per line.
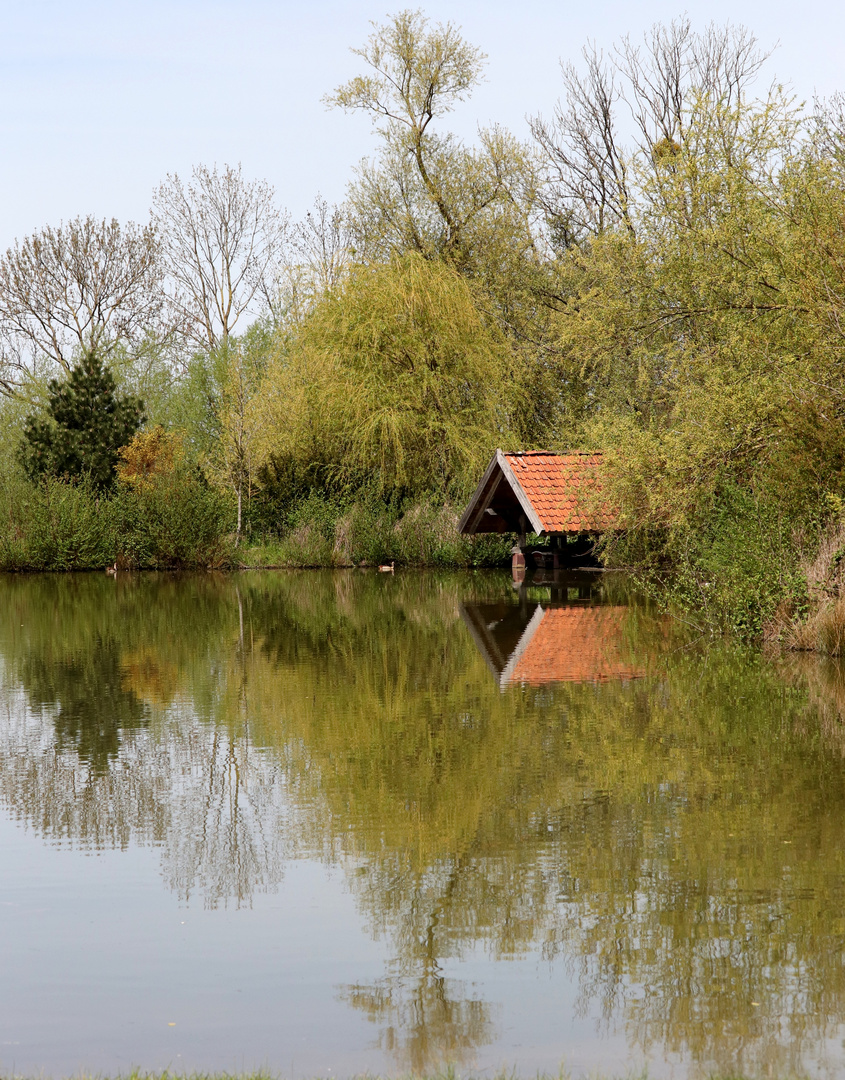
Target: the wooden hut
pixel 553 495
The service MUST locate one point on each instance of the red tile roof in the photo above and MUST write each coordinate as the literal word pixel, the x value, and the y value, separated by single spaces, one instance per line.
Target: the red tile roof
pixel 574 644
pixel 562 489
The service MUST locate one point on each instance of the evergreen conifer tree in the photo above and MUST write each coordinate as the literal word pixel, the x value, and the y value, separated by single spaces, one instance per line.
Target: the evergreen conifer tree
pixel 87 422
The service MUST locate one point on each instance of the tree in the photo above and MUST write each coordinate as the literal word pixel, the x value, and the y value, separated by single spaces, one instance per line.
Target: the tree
pixel 222 237
pixel 320 251
pixel 707 346
pixel 428 192
pixel 87 286
pixel 233 460
pixel 398 377
pixel 589 170
pixel 86 424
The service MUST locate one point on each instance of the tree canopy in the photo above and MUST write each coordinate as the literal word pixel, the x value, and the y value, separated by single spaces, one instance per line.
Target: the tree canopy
pixel 87 422
pixel 398 376
pixel 427 191
pixel 87 285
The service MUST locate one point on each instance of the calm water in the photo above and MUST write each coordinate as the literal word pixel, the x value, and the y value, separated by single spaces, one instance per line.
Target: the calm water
pixel 329 823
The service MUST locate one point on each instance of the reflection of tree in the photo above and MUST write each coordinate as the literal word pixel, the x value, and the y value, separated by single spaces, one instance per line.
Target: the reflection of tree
pixel 105 748
pixel 635 832
pixel 64 799
pixel 232 822
pixel 210 800
pixel 85 694
pixel 426 1017
pixel 424 1020
pixel 675 841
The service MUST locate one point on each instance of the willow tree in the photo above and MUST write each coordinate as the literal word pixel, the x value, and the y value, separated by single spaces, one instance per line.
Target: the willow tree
pixel 398 377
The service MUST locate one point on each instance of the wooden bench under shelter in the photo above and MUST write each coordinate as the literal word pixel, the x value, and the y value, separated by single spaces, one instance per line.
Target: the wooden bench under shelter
pixel 552 495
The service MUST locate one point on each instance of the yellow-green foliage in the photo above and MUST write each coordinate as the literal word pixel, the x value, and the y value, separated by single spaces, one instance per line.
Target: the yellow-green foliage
pixel 151 455
pixel 398 376
pixel 708 337
pixel 705 345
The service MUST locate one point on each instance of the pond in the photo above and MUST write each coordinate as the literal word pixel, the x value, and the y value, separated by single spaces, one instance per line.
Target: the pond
pixel 329 823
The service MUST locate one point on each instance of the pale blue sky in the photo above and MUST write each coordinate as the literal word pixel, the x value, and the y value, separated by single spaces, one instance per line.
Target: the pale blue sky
pixel 102 99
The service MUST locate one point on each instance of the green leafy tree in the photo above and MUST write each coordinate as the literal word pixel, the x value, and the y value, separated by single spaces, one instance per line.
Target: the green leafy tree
pixel 398 378
pixel 472 205
pixel 87 422
pixel 705 344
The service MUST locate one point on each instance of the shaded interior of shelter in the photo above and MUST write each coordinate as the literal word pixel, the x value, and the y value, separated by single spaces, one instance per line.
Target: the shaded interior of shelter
pixel 555 630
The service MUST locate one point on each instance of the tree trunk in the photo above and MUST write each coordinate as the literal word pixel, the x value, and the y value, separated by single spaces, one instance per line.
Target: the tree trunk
pixel 240 504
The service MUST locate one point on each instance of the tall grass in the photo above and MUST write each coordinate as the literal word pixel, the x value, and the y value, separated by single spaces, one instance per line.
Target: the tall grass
pixel 324 531
pixel 819 624
pixel 182 522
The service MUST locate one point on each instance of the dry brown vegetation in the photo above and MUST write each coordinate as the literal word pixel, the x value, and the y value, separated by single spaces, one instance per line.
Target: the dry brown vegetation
pixel 822 627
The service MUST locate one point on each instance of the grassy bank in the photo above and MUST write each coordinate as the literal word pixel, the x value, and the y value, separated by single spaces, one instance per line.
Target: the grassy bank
pixel 319 531
pixel 184 523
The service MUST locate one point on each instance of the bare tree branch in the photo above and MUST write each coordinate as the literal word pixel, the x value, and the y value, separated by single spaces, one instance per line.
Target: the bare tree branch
pixel 587 174
pixel 222 238
pixel 85 286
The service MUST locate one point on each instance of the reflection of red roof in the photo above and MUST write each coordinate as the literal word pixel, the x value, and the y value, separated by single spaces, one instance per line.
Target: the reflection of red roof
pixel 560 488
pixel 573 644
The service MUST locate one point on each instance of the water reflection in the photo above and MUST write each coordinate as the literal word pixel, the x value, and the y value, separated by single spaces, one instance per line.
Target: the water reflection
pixel 674 840
pixel 560 631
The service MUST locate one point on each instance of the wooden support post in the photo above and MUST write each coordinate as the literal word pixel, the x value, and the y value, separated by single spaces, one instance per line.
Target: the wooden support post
pixel 518 553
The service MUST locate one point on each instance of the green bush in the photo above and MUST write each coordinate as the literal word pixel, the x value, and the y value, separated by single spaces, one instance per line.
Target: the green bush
pixel 734 564
pixel 59 525
pixel 54 525
pixel 177 522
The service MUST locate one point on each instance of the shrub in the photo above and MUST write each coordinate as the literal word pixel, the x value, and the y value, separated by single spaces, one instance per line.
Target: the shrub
pixel 735 563
pixel 177 521
pixel 54 525
pixel 151 455
pixel 59 525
